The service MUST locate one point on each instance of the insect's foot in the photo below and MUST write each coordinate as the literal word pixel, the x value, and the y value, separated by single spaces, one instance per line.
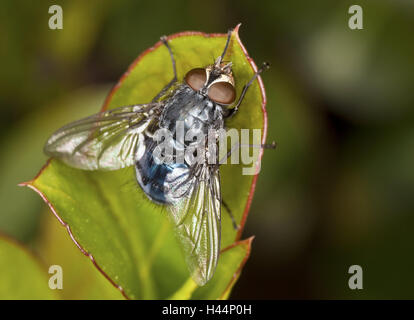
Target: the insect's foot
pixel 236 226
pixel 264 67
pixel 272 145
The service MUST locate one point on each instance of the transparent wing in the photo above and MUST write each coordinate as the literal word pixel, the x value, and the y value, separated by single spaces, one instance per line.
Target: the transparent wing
pixel 106 140
pixel 198 221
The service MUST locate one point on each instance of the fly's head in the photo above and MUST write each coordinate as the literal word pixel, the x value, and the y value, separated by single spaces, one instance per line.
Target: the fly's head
pixel 215 81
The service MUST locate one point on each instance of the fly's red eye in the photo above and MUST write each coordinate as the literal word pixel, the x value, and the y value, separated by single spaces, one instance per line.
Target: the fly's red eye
pixel 222 92
pixel 196 78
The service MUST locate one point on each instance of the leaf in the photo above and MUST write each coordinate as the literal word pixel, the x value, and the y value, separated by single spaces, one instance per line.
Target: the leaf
pixel 232 260
pixel 20 210
pixel 81 281
pixel 126 236
pixel 21 276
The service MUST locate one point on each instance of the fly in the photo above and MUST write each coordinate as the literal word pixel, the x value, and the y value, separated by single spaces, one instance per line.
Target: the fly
pixel 124 137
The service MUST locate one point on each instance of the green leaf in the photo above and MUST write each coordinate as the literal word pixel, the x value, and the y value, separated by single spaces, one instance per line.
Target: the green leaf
pixel 80 279
pixel 232 260
pixel 20 208
pixel 21 276
pixel 130 238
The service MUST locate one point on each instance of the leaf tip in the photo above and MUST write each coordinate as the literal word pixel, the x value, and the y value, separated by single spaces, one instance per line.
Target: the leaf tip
pixel 24 184
pixel 250 239
pixel 236 28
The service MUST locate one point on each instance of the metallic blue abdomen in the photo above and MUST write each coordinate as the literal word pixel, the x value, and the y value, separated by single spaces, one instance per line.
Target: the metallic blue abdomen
pixel 156 179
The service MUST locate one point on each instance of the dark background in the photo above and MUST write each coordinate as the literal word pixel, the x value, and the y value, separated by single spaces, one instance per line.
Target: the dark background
pixel 338 191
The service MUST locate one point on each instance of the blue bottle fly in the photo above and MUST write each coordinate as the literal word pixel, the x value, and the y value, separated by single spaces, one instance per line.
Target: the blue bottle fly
pixel 124 136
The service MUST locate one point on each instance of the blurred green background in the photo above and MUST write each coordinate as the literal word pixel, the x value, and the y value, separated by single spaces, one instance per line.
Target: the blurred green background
pixel 338 191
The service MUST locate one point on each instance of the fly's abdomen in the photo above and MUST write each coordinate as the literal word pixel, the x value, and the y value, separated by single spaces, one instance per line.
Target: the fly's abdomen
pixel 163 183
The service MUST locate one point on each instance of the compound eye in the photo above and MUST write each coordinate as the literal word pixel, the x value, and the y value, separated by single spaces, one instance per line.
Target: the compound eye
pixel 196 78
pixel 222 93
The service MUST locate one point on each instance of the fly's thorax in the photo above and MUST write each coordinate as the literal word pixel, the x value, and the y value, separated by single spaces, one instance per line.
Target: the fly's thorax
pixel 194 110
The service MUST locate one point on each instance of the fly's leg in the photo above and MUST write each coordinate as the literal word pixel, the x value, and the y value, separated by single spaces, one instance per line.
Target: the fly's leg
pixel 234 110
pixel 234 148
pixel 174 79
pixel 235 225
pixel 238 146
pixel 220 59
